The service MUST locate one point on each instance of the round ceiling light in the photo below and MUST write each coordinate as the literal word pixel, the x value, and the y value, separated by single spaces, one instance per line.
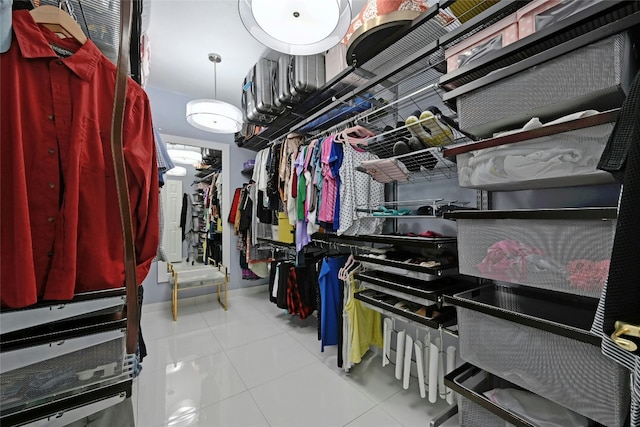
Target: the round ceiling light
pixel 296 27
pixel 212 115
pixel 184 157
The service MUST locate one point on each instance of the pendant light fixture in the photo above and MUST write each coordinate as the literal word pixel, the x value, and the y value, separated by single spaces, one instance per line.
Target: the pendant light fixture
pixel 296 27
pixel 212 115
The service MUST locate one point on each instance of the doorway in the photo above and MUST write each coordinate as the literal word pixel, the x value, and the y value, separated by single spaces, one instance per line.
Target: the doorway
pixel 191 235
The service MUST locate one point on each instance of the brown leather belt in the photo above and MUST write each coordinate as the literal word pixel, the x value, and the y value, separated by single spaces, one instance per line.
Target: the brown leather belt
pixel 117 151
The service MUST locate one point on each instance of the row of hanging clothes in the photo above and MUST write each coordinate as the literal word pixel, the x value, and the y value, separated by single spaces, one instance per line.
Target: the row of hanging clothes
pixel 254 260
pixel 208 230
pixel 326 285
pixel 316 185
pixel 199 219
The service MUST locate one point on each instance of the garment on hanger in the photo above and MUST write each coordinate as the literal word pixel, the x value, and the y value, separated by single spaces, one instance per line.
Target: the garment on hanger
pixel 273 183
pixel 164 160
pixel 292 192
pixel 5 25
pixel 620 298
pixel 358 190
pixel 331 310
pixel 288 148
pixel 365 324
pixel 234 206
pixel 61 228
pixel 331 160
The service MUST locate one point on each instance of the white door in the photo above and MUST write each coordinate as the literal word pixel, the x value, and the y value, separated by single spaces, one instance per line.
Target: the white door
pixel 172 206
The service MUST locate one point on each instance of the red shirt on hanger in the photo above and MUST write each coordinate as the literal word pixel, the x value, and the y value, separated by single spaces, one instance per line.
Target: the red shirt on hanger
pixel 59 220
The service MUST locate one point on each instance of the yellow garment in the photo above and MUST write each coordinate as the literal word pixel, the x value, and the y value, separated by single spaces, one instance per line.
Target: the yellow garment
pixel 366 326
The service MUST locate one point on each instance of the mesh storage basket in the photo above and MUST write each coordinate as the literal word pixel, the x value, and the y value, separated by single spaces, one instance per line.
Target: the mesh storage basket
pixel 568 255
pixel 62 375
pixel 569 372
pixel 471 414
pixel 564 159
pixel 588 77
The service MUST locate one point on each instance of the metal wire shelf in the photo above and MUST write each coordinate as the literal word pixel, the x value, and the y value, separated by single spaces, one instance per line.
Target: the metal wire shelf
pixel 413 61
pixel 421 166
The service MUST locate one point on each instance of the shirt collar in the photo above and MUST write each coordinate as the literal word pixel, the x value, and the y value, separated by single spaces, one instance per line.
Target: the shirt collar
pixel 34 40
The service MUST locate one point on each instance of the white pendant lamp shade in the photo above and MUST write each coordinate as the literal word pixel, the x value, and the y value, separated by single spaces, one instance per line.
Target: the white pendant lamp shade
pixel 296 27
pixel 212 115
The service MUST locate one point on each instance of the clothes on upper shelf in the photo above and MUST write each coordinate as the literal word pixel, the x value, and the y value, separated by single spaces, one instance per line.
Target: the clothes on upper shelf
pixel 60 226
pixel 515 261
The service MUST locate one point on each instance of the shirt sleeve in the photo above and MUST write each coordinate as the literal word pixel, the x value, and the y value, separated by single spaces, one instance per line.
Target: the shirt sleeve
pixel 142 177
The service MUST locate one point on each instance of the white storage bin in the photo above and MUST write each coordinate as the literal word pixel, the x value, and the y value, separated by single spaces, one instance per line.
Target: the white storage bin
pixel 565 250
pixel 560 160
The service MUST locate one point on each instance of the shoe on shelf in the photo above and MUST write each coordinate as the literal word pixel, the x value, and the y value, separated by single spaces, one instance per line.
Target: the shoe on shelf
pixel 415 144
pixel 400 148
pixel 417 131
pixel 441 134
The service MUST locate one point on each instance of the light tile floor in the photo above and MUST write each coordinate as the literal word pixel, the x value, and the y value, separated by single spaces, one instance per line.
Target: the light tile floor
pixel 255 365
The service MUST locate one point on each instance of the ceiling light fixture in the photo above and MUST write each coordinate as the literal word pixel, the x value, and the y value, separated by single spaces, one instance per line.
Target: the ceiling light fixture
pixel 184 157
pixel 296 27
pixel 177 171
pixel 212 115
pixel 184 154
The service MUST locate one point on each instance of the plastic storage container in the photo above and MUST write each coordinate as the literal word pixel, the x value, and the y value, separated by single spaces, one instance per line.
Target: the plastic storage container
pixel 540 14
pixel 526 16
pixel 498 35
pixel 565 250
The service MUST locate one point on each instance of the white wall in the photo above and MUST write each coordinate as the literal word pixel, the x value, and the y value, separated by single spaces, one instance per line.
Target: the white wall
pixel 168 111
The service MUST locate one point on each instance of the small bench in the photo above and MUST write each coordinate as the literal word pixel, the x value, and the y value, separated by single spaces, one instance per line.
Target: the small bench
pixel 193 277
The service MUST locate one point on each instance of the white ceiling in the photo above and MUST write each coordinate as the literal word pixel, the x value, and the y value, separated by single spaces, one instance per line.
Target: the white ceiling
pixel 183 33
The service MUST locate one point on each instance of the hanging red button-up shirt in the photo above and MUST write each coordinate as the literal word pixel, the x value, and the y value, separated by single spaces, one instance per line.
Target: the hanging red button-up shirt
pixel 60 226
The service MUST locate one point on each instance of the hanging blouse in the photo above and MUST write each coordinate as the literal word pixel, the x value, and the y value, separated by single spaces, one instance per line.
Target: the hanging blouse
pixel 61 228
pixel 358 190
pixel 289 147
pixel 331 159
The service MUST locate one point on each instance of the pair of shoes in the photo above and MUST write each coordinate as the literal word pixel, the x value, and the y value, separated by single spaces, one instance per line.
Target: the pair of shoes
pixel 429 129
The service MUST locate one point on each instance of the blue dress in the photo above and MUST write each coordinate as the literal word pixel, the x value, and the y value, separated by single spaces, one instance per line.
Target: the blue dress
pixel 331 310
